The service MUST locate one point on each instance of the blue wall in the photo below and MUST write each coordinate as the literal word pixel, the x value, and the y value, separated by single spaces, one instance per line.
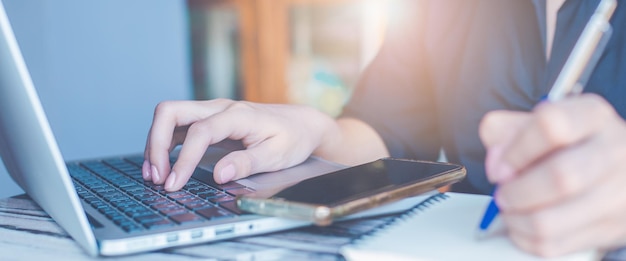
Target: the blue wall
pixel 100 67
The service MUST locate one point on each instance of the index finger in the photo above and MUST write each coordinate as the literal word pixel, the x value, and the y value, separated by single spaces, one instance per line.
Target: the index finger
pixel 202 134
pixel 497 129
pixel 554 126
pixel 169 115
pixel 496 126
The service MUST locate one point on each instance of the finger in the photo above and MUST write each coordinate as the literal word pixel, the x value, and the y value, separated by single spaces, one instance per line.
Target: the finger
pixel 160 138
pixel 233 124
pixel 563 174
pixel 193 148
pixel 601 235
pixel 180 133
pixel 146 173
pixel 496 130
pixel 235 165
pixel 256 159
pixel 169 115
pixel 553 126
pixel 499 127
pixel 567 226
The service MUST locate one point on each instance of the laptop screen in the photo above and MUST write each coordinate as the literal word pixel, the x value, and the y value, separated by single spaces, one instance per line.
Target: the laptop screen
pixel 27 145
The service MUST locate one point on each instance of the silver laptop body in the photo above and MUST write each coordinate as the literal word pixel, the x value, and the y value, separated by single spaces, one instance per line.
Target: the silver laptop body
pixel 32 158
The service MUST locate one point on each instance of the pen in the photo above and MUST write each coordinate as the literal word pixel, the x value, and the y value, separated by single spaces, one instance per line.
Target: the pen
pixel 574 75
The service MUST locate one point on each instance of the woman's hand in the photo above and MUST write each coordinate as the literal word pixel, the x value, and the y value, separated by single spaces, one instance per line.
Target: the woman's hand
pixel 561 173
pixel 275 137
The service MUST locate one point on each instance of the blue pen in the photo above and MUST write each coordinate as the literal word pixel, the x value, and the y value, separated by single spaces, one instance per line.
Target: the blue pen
pixel 574 75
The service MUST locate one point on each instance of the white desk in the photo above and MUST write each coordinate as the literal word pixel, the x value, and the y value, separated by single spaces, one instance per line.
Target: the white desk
pixel 28 233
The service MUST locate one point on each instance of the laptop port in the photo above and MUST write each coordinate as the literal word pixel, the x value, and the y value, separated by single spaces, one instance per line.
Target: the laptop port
pixel 172 238
pixel 224 231
pixel 196 234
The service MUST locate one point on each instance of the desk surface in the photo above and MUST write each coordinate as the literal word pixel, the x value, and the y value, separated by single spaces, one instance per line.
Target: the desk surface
pixel 28 233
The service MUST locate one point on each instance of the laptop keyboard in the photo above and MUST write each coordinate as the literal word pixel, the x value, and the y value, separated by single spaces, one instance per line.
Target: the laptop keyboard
pixel 116 189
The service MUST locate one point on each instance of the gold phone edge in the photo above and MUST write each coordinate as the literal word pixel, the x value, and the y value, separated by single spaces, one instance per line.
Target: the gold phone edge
pixel 323 215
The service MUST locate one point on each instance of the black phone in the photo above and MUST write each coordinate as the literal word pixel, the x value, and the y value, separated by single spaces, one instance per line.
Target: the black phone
pixel 324 198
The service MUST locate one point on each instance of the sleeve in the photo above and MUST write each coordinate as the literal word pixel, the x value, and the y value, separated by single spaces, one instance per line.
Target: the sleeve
pixel 394 95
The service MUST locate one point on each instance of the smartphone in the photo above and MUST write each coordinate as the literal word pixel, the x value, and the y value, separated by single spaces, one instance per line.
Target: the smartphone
pixel 337 194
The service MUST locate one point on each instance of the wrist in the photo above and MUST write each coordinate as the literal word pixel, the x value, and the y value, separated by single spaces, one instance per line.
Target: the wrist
pixel 350 141
pixel 330 139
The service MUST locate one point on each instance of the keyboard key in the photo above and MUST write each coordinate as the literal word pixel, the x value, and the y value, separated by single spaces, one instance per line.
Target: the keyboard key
pixel 115 162
pixel 223 198
pixel 163 205
pixel 130 189
pixel 122 203
pixel 137 160
pixel 113 196
pixel 154 200
pixel 140 192
pixel 91 199
pixel 114 215
pixel 158 224
pixel 176 210
pixel 186 218
pixel 179 195
pixel 187 199
pixel 192 184
pixel 98 204
pixel 105 209
pixel 103 190
pixel 125 206
pixel 197 204
pixel 232 207
pixel 153 186
pixel 130 227
pixel 136 212
pixel 213 213
pixel 148 218
pixel 209 194
pixel 198 190
pixel 96 184
pixel 121 198
pixel 146 195
pixel 118 220
pixel 127 183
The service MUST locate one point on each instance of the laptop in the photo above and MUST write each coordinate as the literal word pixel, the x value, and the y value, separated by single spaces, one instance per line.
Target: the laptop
pixel 104 204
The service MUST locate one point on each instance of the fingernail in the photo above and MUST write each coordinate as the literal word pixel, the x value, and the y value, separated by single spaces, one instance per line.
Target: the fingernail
pixel 145 170
pixel 171 181
pixel 227 173
pixel 155 174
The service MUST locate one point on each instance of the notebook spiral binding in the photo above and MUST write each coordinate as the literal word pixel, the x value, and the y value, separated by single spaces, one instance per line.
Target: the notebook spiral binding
pixel 415 210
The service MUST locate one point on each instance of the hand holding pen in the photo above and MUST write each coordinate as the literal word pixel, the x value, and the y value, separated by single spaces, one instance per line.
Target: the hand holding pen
pixel 559 169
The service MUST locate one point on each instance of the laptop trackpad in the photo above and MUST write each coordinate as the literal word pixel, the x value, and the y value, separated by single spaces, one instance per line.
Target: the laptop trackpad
pixel 312 167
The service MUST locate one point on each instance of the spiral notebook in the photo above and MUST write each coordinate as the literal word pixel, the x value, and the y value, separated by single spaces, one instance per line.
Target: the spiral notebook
pixel 442 227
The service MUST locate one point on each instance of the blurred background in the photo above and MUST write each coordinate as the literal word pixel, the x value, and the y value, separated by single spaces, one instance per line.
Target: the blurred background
pixel 101 66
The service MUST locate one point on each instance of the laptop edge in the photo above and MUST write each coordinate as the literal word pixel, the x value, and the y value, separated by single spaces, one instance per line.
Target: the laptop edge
pixel 21 110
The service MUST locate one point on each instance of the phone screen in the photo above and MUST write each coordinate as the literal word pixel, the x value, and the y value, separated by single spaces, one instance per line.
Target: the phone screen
pixel 362 180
